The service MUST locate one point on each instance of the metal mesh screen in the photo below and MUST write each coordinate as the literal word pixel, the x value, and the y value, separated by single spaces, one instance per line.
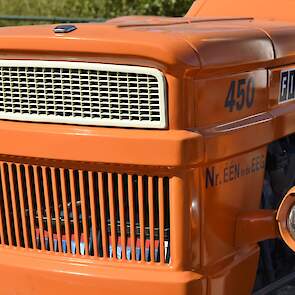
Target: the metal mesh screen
pixel 81 93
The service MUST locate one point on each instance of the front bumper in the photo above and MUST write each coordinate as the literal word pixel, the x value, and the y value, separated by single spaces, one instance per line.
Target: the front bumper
pixel 27 273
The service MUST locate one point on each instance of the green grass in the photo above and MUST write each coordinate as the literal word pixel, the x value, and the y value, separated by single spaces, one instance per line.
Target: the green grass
pixel 93 8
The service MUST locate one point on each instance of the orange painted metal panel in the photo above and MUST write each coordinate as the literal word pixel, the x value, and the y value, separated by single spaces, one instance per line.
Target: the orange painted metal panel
pixel 165 148
pixel 156 211
pixel 231 187
pixel 262 9
pixel 256 226
pixel 66 275
pixel 212 93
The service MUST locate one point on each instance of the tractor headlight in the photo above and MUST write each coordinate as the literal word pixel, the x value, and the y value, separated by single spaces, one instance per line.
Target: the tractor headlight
pixel 286 219
pixel 291 222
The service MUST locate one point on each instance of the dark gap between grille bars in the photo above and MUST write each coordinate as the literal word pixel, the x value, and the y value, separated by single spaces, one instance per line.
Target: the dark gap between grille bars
pixel 83 213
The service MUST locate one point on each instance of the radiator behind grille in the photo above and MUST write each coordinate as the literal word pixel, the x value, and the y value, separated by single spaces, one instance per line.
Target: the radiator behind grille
pixel 85 213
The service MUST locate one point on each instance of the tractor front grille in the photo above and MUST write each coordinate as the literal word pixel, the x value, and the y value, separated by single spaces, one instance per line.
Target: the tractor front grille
pixel 82 93
pixel 85 213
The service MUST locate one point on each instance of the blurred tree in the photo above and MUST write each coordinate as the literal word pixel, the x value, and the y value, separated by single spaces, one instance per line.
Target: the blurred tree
pixel 94 8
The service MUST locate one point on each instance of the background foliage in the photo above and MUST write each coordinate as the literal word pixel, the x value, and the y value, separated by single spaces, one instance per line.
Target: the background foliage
pixel 94 8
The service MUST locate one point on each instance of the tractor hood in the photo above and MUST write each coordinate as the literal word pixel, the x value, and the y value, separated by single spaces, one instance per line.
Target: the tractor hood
pixel 175 44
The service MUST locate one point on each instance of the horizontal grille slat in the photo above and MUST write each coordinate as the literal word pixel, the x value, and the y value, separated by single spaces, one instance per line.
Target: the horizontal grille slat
pixel 82 93
pixel 81 213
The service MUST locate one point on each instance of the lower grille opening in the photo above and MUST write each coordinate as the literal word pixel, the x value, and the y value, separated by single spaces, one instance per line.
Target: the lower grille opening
pixel 85 213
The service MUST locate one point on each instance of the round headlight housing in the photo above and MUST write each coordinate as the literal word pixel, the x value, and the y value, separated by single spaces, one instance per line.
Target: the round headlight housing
pixel 291 222
pixel 286 219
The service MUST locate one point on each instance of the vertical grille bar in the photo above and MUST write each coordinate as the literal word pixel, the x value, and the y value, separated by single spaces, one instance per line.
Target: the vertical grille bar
pixel 141 217
pixel 3 228
pixel 162 220
pixel 65 211
pixel 22 204
pixel 1 224
pixel 39 206
pixel 30 205
pixel 151 217
pixel 132 217
pixel 113 220
pixel 47 206
pixel 56 210
pixel 102 214
pixel 122 216
pixel 1 231
pixel 93 213
pixel 74 212
pixel 84 212
pixel 6 207
pixel 13 201
pixel 167 205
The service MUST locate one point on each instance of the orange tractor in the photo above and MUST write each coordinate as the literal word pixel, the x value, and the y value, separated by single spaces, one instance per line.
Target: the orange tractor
pixel 150 155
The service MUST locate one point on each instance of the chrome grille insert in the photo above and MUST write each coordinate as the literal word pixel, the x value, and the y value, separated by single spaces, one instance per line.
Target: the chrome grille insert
pixel 82 93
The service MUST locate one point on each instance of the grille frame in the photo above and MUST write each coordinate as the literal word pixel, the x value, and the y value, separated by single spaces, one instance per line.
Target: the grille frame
pixel 162 123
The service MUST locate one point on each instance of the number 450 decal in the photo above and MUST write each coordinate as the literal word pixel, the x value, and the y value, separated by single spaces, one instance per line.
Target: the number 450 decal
pixel 241 94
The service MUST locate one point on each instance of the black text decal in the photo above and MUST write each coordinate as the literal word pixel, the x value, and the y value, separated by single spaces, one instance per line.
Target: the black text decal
pixel 287 90
pixel 241 94
pixel 232 171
